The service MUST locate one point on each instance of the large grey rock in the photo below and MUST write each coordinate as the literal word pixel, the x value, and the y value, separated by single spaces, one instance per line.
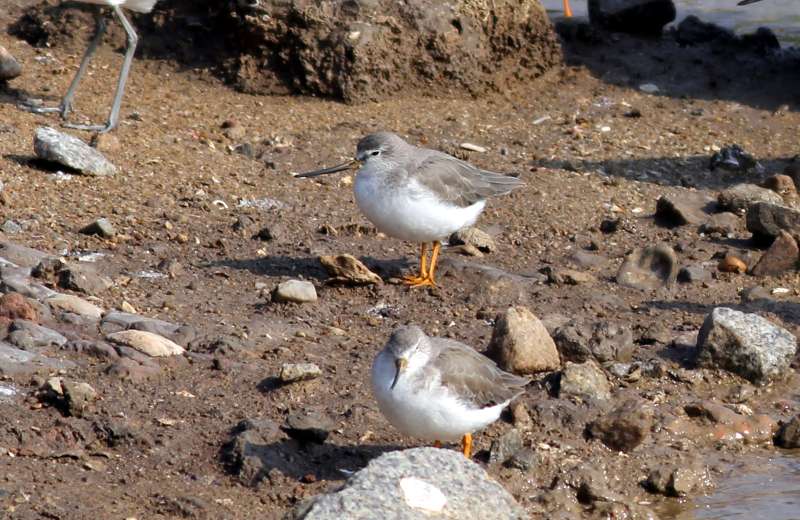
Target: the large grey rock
pixel 766 221
pixel 603 341
pixel 18 280
pixel 52 145
pixel 419 483
pixel 148 343
pixel 632 16
pixel 26 334
pixel 20 255
pixel 521 344
pixel 16 362
pixel 649 268
pixel 739 197
pixel 114 321
pixel 745 344
pixel 683 208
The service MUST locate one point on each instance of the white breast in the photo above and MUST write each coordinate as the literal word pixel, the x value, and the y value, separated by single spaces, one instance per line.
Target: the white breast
pixel 410 212
pixel 426 412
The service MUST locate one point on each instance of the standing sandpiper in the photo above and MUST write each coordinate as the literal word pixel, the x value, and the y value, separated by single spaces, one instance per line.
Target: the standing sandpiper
pixel 417 194
pixel 439 389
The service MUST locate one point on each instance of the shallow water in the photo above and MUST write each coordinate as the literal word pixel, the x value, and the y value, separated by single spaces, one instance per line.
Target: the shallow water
pixel 782 16
pixel 768 489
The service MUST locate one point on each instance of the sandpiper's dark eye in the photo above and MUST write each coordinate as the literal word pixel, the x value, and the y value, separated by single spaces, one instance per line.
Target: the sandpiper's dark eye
pixel 376 152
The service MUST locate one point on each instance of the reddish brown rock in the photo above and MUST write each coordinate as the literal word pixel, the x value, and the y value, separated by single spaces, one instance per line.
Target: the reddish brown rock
pixel 781 256
pixel 14 306
pixel 732 264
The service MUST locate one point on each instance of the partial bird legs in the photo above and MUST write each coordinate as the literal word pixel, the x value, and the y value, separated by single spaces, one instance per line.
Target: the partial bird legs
pixel 426 273
pixel 466 445
pixel 567 9
pixel 66 104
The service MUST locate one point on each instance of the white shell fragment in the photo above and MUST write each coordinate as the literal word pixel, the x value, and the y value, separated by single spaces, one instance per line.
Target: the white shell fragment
pixel 473 147
pixel 419 494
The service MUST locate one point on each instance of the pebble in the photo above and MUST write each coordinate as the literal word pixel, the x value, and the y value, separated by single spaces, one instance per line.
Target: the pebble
pixel 146 342
pixel 505 447
pixel 625 427
pixel 74 304
pixel 472 147
pixel 347 269
pixel 585 381
pixel 723 223
pixel 52 145
pixel 297 291
pixel 521 344
pixel 745 344
pixel 678 481
pixel 649 268
pixel 732 264
pixel 694 273
pixel 789 434
pixel 475 237
pixel 293 372
pixel 101 227
pixel 9 66
pixel 311 426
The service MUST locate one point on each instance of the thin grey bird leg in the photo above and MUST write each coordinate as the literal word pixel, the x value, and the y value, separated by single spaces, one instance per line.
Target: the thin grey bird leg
pixel 66 103
pixel 113 117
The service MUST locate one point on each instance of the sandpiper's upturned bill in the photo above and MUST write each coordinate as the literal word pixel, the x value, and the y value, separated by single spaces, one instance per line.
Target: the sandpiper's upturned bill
pixel 438 389
pixel 141 6
pixel 417 194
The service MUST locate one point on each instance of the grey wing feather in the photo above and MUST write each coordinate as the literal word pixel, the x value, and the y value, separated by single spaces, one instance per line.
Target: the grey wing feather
pixel 473 376
pixel 459 182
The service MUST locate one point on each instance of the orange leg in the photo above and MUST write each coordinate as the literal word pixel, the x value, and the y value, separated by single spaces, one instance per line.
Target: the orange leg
pixel 423 268
pixel 466 445
pixel 426 278
pixel 437 444
pixel 567 9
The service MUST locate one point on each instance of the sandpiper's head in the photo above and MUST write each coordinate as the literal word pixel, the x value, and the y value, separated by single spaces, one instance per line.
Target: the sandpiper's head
pixel 380 145
pixel 410 349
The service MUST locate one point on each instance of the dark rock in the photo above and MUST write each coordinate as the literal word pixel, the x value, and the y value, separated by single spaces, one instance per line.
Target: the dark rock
pixel 97 349
pixel 54 146
pixel 632 16
pixel 505 447
pixel 683 208
pixel 762 41
pixel 265 234
pixel 723 223
pixel 604 341
pixel 781 256
pixel 733 159
pixel 694 274
pixel 789 434
pixel 678 481
pixel 78 396
pixel 739 197
pixel 590 484
pixel 745 344
pixel 310 426
pixel 524 460
pixel 609 226
pixel 26 334
pixel 82 278
pixel 766 221
pixel 649 268
pixel 626 427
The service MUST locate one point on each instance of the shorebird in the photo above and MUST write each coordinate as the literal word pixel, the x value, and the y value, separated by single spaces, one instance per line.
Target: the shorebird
pixel 438 389
pixel 141 6
pixel 417 194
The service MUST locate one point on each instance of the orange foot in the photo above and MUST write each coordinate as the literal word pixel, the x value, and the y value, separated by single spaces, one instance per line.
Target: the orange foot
pixel 419 281
pixel 466 445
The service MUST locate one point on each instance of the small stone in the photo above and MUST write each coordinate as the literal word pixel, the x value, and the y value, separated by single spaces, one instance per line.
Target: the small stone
pixel 146 342
pixel 723 223
pixel 732 264
pixel 310 426
pixel 521 344
pixel 78 396
pixel 781 256
pixel 737 198
pixel 789 435
pixel 585 381
pixel 626 427
pixel 766 221
pixel 504 447
pixel 293 372
pixel 745 344
pixel 265 234
pixel 83 278
pixel 783 185
pixel 107 142
pixel 9 66
pixel 604 341
pixel 694 274
pixel 649 268
pixel 52 145
pixel 609 226
pixel 125 306
pixel 521 418
pixel 297 291
pixel 474 237
pixel 73 304
pixel 101 227
pixel 560 276
pixel 734 159
pixel 683 208
pixel 678 481
pixel 10 227
pixel 347 269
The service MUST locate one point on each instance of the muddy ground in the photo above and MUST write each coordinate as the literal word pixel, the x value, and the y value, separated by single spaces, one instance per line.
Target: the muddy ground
pixel 574 136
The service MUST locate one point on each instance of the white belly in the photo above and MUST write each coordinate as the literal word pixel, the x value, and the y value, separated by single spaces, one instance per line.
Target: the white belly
pixel 418 412
pixel 141 6
pixel 411 213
